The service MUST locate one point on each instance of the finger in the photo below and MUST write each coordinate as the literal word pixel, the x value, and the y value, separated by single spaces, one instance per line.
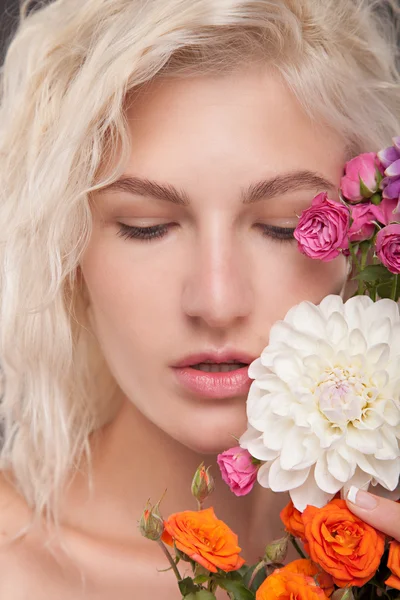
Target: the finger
pixel 379 512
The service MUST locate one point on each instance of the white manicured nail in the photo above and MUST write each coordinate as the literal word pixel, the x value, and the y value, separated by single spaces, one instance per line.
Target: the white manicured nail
pixel 352 493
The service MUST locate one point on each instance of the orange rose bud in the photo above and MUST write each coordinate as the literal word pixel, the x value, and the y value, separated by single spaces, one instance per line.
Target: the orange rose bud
pixel 344 546
pixel 202 484
pixel 151 524
pixel 205 539
pixel 394 565
pixel 283 585
pixel 291 518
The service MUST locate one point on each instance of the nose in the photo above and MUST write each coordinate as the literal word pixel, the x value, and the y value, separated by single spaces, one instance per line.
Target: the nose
pixel 218 287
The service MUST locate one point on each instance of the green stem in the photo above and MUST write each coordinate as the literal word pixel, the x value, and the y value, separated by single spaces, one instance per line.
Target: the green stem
pixel 361 266
pixel 297 547
pixel 393 293
pixel 261 565
pixel 354 257
pixel 170 560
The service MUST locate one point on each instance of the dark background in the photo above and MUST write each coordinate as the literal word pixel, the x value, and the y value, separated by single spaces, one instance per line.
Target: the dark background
pixel 9 10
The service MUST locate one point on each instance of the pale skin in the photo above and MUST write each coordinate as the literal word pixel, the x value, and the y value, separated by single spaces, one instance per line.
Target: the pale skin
pixel 214 280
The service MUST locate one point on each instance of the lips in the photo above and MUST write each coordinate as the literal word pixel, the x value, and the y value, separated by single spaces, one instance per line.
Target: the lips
pixel 213 374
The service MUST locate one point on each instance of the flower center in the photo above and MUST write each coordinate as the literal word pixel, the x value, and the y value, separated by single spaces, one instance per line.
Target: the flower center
pixel 343 393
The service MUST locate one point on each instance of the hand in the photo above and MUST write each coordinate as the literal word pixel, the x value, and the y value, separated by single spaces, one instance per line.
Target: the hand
pixel 381 513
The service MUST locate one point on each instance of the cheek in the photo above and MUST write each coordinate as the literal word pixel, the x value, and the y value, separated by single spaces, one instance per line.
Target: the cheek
pixel 290 277
pixel 129 299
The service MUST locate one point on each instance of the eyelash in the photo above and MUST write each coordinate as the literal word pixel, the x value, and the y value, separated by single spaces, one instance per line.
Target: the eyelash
pixel 148 234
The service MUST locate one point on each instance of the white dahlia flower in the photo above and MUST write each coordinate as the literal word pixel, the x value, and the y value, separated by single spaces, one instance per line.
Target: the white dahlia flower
pixel 324 407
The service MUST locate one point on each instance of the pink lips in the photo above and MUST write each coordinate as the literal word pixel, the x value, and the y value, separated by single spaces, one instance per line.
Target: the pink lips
pixel 215 385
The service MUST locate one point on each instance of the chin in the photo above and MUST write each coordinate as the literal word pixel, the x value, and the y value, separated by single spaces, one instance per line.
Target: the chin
pixel 206 438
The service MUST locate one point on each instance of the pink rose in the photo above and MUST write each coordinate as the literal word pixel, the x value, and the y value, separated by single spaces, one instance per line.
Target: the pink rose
pixel 388 247
pixel 362 177
pixel 363 225
pixel 385 211
pixel 238 470
pixel 323 228
pixel 365 216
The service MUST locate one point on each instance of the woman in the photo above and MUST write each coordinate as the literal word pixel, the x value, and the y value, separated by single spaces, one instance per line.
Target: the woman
pixel 154 159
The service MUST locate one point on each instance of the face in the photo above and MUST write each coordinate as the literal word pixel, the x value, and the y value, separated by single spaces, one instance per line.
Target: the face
pixel 186 277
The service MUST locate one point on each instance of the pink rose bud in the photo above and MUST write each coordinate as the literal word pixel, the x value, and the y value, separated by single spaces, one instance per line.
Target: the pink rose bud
pixel 363 175
pixel 323 228
pixel 238 470
pixel 388 247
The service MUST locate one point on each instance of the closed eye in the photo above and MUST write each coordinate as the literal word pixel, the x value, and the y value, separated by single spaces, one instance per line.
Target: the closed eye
pixel 277 233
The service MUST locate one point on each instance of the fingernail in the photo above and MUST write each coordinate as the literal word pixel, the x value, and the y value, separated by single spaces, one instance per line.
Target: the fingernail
pixel 361 499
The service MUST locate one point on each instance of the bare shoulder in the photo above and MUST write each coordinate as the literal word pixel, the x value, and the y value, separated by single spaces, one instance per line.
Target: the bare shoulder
pixel 19 544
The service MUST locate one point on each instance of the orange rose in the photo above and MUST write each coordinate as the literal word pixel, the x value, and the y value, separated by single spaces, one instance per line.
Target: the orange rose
pixel 285 585
pixel 394 565
pixel 309 568
pixel 291 518
pixel 344 546
pixel 205 539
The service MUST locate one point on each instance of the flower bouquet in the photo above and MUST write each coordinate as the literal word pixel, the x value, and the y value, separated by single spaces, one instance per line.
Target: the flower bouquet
pixel 323 419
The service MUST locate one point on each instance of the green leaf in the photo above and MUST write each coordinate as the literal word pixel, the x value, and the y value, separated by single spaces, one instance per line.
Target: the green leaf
pixel 201 595
pixel 343 594
pixel 374 273
pixel 187 586
pixel 236 588
pixel 201 578
pixel 364 190
pixel 258 580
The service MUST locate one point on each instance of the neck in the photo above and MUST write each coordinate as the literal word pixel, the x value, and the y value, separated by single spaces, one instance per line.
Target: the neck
pixel 133 461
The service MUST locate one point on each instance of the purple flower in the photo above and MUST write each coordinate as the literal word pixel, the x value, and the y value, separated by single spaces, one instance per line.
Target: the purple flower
pixel 390 160
pixel 238 470
pixel 362 177
pixel 323 228
pixel 388 247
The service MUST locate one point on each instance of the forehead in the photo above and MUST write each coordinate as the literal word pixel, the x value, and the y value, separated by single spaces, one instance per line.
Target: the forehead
pixel 234 125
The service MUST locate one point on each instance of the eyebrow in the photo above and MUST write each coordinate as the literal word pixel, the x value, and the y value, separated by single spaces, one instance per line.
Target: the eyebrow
pixel 261 190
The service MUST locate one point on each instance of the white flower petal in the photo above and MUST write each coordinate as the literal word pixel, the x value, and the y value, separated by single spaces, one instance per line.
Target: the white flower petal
pixel 357 343
pixel 354 311
pixel 360 439
pixel 281 480
pixel 309 494
pixel 275 431
pixel 287 367
pixel 324 479
pixel 271 383
pixel 331 304
pixel 341 469
pixel 285 332
pixel 293 450
pixel 388 446
pixel 256 369
pixel 378 356
pixel 380 331
pixel 263 475
pixel 388 471
pixel 306 318
pixel 359 480
pixel 384 307
pixel 336 328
